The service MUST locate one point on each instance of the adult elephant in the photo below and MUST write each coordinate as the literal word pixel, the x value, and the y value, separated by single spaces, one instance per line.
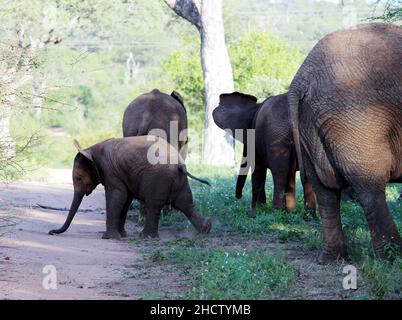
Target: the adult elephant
pixel 272 146
pixel 346 112
pixel 159 114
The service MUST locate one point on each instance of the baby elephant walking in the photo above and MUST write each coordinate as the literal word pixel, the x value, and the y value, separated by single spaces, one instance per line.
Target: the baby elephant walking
pixel 146 168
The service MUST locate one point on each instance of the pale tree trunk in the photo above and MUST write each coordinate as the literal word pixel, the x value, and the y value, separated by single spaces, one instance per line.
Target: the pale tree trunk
pixel 7 144
pixel 206 16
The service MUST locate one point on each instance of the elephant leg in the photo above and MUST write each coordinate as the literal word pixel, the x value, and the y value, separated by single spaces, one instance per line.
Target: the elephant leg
pixel 329 201
pixel 280 182
pixel 123 216
pixel 309 198
pixel 258 187
pixel 382 227
pixel 115 201
pixel 151 220
pixel 184 203
pixel 290 197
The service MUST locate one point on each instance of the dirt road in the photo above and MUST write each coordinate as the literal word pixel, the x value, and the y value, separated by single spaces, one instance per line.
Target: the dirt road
pixel 86 267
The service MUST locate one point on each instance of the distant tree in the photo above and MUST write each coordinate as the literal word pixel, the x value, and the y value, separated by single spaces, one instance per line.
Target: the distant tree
pixel 28 28
pixel 206 16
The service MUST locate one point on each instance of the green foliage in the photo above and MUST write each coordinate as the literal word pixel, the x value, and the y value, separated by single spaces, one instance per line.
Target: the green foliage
pixel 263 64
pixel 184 69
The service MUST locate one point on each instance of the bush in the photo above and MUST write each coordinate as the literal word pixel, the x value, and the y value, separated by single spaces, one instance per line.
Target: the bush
pixel 263 64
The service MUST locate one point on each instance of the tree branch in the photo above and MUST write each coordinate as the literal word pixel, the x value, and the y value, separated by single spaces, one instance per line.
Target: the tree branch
pixel 187 9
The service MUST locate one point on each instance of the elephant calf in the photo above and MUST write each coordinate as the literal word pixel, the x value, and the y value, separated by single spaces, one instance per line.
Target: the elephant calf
pixel 274 147
pixel 146 168
pixel 159 114
pixel 158 110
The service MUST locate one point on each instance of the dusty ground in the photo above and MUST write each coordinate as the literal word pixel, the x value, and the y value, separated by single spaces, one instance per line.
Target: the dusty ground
pixel 91 268
pixel 87 266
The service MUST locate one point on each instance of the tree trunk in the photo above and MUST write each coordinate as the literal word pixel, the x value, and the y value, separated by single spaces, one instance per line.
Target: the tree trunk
pixel 218 147
pixel 206 15
pixel 7 144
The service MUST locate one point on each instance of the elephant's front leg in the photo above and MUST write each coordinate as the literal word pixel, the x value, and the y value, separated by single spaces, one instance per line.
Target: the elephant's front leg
pixel 123 216
pixel 115 202
pixel 151 220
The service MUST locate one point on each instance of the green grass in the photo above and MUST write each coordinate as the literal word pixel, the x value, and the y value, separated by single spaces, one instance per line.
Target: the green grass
pixel 218 274
pixel 231 216
pixel 215 273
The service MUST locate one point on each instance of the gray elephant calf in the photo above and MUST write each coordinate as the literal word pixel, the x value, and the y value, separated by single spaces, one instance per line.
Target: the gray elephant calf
pixel 146 168
pixel 274 148
pixel 158 110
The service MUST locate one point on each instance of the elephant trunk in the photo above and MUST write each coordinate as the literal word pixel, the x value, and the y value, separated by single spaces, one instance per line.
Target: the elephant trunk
pixel 73 210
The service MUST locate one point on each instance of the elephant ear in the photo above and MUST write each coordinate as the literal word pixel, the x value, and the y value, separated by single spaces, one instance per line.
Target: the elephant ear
pixel 235 111
pixel 177 96
pixel 86 153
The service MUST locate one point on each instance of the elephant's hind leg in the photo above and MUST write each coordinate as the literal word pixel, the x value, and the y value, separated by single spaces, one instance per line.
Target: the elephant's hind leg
pixel 382 226
pixel 280 178
pixel 309 198
pixel 258 178
pixel 329 206
pixel 290 197
pixel 184 203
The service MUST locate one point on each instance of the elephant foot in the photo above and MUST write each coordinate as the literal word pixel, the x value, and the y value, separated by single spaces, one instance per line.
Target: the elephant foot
pixel 111 235
pixel 328 256
pixel 145 234
pixel 123 233
pixel 205 226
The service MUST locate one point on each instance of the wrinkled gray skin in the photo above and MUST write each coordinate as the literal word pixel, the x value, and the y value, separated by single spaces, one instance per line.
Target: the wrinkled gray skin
pixel 274 148
pixel 156 110
pixel 122 166
pixel 345 104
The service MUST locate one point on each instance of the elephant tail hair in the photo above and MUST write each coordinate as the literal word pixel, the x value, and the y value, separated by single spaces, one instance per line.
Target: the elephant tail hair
pixel 293 104
pixel 183 169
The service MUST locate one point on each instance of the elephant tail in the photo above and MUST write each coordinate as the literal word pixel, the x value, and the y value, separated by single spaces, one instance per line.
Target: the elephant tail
pixel 293 101
pixel 183 169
